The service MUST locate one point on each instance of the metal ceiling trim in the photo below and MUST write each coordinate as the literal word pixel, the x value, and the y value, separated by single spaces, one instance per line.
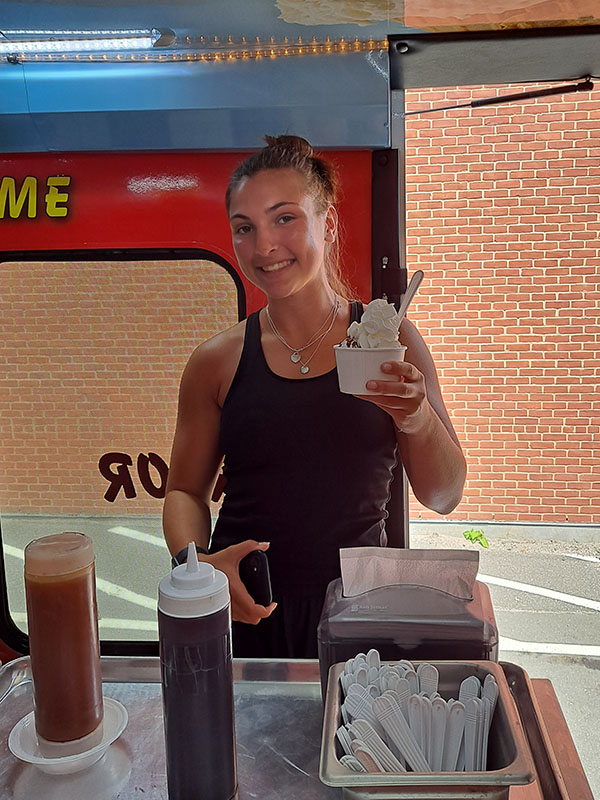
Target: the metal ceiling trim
pixel 494 57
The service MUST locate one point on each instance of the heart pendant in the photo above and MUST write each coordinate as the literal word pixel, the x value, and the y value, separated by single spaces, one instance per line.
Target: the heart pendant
pixel 304 369
pixel 295 357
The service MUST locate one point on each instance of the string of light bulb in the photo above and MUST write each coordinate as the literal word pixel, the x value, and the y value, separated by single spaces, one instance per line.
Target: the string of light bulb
pixel 74 47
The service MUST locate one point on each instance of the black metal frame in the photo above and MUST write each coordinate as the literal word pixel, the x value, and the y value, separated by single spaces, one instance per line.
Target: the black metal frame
pixel 134 254
pixel 389 279
pixel 389 276
pixel 420 60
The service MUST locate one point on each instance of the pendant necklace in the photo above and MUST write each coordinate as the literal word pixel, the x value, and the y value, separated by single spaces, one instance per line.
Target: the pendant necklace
pixel 320 334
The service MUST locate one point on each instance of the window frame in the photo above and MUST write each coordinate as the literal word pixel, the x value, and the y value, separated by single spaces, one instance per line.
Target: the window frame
pixel 11 636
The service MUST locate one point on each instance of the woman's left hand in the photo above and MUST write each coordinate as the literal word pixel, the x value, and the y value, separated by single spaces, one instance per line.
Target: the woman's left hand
pixel 404 397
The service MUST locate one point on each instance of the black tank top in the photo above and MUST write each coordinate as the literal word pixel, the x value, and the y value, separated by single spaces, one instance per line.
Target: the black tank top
pixel 307 467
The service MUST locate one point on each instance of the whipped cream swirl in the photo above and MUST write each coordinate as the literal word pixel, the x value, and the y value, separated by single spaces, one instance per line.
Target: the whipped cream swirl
pixel 378 326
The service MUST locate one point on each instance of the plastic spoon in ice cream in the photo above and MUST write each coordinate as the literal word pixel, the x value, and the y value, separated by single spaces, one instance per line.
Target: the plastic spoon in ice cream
pixel 410 292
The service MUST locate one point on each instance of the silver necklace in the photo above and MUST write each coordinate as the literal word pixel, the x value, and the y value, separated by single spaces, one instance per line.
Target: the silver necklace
pixel 295 351
pixel 295 356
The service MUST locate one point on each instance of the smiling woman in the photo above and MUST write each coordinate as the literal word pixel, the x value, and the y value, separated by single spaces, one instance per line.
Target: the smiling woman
pixel 280 244
pixel 314 180
pixel 263 395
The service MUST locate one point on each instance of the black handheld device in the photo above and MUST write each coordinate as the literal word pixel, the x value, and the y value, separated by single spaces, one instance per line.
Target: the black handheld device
pixel 254 572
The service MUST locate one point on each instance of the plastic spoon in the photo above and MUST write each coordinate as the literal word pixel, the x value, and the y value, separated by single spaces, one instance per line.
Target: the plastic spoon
pixel 410 292
pixel 361 707
pixel 357 688
pixel 366 733
pixel 393 697
pixel 479 730
pixel 352 763
pixel 426 727
pixel 490 696
pixel 460 761
pixel 361 676
pixel 383 680
pixel 470 687
pixel 490 690
pixel 413 681
pixel 346 680
pixel 439 717
pixel 428 678
pixel 485 730
pixel 366 756
pixel 394 724
pixel 373 659
pixel 392 679
pixel 472 717
pixel 345 714
pixel 415 718
pixel 455 726
pixel 403 692
pixel 344 738
pixel 360 659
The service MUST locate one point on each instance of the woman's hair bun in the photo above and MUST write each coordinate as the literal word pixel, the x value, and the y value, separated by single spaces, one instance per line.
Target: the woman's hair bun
pixel 290 152
pixel 294 144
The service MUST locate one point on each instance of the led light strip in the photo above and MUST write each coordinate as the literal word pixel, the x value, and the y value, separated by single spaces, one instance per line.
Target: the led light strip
pixel 66 45
pixel 193 49
pixel 21 45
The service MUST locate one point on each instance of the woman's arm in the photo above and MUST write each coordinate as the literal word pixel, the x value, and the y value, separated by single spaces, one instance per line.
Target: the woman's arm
pixel 195 457
pixel 428 445
pixel 195 461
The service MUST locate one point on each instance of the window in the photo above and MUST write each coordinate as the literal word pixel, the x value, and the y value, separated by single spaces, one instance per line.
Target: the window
pixel 93 352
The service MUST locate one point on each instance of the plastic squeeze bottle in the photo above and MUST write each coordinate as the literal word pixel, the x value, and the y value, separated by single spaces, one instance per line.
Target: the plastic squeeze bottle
pixel 194 630
pixel 63 641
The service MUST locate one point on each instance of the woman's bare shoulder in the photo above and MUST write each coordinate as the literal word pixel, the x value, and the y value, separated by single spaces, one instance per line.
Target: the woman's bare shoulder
pixel 221 345
pixel 417 351
pixel 214 361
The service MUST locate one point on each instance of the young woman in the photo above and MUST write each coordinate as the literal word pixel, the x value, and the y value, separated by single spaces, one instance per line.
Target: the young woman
pixel 308 469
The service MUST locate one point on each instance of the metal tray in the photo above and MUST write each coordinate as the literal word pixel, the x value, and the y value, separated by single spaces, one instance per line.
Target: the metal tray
pixel 277 757
pixel 508 754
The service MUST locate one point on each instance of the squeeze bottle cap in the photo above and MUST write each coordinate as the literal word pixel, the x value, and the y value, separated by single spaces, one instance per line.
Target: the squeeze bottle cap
pixel 193 589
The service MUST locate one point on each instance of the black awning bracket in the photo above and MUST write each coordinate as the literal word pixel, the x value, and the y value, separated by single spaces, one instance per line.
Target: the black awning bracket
pixel 586 85
pixel 478 58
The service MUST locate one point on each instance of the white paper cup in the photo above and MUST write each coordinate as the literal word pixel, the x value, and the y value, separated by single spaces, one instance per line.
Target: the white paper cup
pixel 357 365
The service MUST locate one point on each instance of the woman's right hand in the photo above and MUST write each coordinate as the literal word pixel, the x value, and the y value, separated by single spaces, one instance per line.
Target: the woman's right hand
pixel 243 607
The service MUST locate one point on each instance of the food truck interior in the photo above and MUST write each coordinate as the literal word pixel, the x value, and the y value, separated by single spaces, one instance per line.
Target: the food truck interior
pixel 120 125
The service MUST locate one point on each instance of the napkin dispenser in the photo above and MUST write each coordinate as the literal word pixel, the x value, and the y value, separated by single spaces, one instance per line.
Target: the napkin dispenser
pixel 436 611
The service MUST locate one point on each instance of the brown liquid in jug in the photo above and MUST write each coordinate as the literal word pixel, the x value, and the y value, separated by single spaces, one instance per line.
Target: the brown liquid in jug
pixel 64 646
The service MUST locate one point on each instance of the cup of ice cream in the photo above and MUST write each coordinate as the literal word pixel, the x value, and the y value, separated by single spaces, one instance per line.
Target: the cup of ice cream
pixel 369 343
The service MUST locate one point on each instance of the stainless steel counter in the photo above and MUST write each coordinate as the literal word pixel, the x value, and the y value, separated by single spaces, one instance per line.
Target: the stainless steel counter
pixel 278 726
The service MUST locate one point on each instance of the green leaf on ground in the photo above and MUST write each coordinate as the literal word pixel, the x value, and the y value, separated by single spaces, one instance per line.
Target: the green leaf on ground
pixel 476 536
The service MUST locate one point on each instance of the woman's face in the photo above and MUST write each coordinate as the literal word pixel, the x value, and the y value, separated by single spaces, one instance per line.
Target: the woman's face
pixel 278 235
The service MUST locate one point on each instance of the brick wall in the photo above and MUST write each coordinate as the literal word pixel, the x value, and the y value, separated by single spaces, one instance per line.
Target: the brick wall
pixel 503 216
pixel 91 360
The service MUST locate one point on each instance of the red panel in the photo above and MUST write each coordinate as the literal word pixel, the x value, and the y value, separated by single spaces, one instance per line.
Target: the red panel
pixel 157 200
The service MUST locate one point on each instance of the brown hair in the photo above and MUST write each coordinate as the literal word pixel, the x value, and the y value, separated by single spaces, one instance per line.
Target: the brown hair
pixel 293 152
